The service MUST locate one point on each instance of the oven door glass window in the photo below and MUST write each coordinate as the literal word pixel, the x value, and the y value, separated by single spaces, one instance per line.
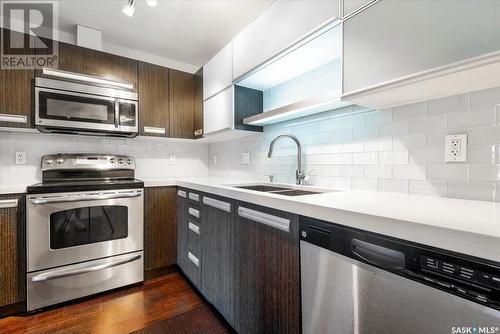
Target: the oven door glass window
pixel 84 108
pixel 82 226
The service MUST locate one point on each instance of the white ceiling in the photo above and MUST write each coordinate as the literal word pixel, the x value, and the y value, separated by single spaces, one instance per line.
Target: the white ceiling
pixel 189 31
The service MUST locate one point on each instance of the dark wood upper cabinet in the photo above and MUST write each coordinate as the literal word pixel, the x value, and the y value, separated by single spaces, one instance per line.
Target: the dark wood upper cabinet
pixel 154 107
pixel 16 93
pixel 267 268
pixel 73 58
pixel 16 97
pixel 12 254
pixel 181 104
pixel 160 230
pixel 198 104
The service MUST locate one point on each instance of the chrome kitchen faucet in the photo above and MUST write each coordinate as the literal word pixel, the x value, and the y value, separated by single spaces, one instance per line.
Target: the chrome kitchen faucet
pixel 299 173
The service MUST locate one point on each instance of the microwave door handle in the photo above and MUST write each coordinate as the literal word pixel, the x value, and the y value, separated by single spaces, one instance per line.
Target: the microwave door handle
pixel 117 113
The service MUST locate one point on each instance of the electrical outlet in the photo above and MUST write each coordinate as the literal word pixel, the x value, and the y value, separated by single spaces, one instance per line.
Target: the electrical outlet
pixel 245 158
pixel 214 159
pixel 456 148
pixel 20 158
pixel 172 159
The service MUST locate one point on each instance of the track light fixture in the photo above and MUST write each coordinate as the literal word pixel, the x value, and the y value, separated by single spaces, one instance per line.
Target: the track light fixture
pixel 129 8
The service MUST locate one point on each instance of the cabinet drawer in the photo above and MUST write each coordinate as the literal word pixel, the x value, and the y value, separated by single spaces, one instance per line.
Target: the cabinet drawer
pixel 194 212
pixel 193 238
pixel 194 197
pixel 194 269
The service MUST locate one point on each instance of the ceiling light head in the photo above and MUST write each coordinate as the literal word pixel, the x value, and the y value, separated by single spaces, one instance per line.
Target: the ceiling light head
pixel 152 3
pixel 129 8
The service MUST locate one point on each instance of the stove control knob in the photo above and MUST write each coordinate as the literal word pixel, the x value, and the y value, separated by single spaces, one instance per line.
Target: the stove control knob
pixel 129 161
pixel 60 160
pixel 49 161
pixel 112 160
pixel 120 160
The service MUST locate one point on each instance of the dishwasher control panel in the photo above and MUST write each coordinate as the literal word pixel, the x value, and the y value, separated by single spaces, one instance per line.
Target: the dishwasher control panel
pixel 465 276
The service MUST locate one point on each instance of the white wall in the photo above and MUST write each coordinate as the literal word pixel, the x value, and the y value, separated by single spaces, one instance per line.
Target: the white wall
pixel 397 150
pixel 152 155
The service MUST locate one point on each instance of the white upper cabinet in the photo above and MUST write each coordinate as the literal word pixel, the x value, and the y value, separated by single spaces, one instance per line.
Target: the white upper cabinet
pixel 350 6
pixel 218 112
pixel 280 25
pixel 218 72
pixel 398 52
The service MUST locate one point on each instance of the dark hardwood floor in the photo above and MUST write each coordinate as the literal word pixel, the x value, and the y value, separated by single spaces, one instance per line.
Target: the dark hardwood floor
pixel 121 311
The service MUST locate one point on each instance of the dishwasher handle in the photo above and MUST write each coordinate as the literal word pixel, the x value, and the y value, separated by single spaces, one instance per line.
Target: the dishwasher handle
pixel 378 255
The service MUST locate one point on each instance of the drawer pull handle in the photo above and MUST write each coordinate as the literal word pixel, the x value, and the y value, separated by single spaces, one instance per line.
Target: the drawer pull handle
pixel 194 212
pixel 151 129
pixel 264 218
pixel 194 228
pixel 194 197
pixel 13 118
pixel 181 193
pixel 66 273
pixel 217 204
pixel 193 259
pixel 8 203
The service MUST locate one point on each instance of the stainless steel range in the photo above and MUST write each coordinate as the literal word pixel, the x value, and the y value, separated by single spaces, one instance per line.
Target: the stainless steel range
pixel 84 228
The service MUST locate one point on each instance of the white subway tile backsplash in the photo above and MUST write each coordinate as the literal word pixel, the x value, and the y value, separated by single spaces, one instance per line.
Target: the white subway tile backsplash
pixel 379 172
pixel 426 124
pixel 390 185
pixel 368 158
pixel 450 172
pixel 393 158
pixel 430 188
pixel 484 172
pixel 399 149
pixel 483 116
pixel 484 135
pixel 427 155
pixel 409 111
pixel 364 184
pixel 483 191
pixel 409 172
pixel 448 104
pixel 407 142
pixel 393 128
pixel 481 154
pixel 485 97
pixel 352 171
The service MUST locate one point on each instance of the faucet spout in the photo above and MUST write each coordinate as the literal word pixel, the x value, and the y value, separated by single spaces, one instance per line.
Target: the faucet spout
pixel 299 174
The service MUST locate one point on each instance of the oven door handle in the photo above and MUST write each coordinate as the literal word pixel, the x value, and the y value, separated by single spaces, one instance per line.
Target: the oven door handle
pixel 66 273
pixel 64 199
pixel 117 113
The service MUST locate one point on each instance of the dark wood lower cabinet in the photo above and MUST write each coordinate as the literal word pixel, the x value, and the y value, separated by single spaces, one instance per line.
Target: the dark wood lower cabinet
pixel 160 231
pixel 267 275
pixel 12 254
pixel 182 228
pixel 217 249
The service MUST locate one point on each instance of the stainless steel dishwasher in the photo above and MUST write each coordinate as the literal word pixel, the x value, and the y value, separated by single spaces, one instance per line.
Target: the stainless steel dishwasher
pixel 359 282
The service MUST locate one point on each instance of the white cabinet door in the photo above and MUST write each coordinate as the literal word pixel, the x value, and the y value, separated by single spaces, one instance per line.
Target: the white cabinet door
pixel 218 72
pixel 349 6
pixel 218 111
pixel 394 39
pixel 281 24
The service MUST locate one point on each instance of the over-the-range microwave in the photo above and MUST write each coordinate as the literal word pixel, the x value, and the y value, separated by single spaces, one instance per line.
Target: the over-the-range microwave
pixel 81 104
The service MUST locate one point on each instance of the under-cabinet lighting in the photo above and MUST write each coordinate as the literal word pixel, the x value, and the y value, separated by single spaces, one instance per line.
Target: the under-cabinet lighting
pixel 85 78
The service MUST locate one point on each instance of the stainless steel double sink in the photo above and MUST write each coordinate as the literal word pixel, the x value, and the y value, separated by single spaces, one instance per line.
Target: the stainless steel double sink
pixel 279 190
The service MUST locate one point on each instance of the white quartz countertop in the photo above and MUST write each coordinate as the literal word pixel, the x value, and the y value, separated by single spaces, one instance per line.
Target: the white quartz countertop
pixel 464 226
